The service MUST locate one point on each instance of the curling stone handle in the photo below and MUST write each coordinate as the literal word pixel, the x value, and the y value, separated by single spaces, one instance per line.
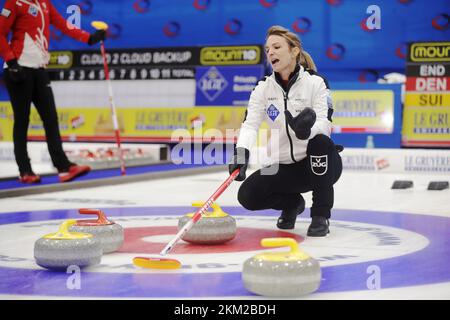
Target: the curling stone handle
pixel 64 227
pixel 281 242
pixel 217 210
pixel 199 204
pixel 198 215
pixel 101 218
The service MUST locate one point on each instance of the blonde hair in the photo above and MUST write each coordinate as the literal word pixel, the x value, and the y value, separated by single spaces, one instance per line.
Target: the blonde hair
pixel 304 58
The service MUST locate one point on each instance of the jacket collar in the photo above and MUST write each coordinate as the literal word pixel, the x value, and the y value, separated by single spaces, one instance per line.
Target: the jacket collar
pixel 293 77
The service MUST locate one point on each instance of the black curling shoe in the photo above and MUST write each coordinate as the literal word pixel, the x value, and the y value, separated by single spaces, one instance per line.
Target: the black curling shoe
pixel 288 217
pixel 319 227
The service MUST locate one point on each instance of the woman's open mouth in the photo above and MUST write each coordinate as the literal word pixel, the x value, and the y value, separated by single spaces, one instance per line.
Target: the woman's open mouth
pixel 274 61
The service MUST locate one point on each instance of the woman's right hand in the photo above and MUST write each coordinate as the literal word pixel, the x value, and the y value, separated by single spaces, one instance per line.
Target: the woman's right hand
pixel 239 161
pixel 16 72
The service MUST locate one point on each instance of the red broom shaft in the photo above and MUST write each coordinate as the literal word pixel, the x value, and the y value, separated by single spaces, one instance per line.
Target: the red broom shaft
pixel 200 212
pixel 113 108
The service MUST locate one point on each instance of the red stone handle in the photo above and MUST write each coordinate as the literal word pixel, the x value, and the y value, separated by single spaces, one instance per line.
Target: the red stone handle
pixel 101 218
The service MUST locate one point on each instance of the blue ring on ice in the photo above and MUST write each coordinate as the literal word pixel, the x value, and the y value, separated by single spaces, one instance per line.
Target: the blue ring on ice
pixel 426 266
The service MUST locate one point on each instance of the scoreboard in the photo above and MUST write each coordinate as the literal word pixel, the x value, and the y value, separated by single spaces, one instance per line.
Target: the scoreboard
pixel 125 64
pixel 426 117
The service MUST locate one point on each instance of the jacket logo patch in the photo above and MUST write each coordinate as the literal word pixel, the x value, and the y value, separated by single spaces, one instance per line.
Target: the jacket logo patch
pixel 319 164
pixel 6 13
pixel 33 11
pixel 272 112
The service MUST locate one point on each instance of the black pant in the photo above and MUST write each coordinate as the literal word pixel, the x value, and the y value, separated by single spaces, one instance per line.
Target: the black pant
pixel 318 172
pixel 35 88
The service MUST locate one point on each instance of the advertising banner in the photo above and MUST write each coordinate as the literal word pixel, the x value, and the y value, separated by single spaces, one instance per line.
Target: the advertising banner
pixel 357 114
pixel 363 111
pixel 148 63
pixel 218 124
pixel 231 55
pixel 366 114
pixel 6 121
pixel 226 86
pixel 176 56
pixel 125 64
pixel 417 161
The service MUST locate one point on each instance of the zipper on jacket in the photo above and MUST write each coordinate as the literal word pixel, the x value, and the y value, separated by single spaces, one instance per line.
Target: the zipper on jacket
pixel 286 98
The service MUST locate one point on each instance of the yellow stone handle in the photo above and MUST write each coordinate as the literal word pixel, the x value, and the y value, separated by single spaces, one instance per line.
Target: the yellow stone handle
pixel 64 228
pixel 281 242
pixel 217 210
pixel 294 254
pixel 99 25
pixel 64 233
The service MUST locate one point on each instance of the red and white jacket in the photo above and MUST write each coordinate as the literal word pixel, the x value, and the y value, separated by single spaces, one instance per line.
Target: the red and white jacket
pixel 29 21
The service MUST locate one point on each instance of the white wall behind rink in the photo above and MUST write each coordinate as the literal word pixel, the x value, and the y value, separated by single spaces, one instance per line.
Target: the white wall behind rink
pixel 403 161
pixel 132 94
pixel 40 158
pixel 421 161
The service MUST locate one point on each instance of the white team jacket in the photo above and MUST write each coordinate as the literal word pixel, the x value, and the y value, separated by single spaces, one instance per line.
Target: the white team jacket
pixel 268 102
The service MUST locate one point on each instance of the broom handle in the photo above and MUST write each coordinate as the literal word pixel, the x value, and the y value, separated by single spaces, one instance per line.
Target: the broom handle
pixel 113 108
pixel 199 213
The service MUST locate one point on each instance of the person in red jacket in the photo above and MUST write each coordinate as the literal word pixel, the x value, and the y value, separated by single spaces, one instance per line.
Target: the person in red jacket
pixel 26 57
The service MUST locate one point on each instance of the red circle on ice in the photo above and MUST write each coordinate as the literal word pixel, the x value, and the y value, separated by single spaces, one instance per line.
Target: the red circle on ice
pixel 247 239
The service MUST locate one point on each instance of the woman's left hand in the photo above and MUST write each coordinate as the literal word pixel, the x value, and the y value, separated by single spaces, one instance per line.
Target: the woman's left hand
pixel 302 123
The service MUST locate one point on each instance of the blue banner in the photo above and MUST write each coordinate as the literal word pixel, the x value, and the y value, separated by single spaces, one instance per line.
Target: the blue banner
pixel 226 86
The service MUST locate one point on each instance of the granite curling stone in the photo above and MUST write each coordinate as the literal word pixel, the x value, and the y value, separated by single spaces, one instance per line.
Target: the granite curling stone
pixel 108 232
pixel 64 248
pixel 281 274
pixel 214 227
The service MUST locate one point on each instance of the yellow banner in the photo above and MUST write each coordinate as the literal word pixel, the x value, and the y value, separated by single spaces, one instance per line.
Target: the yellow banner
pixel 426 119
pixel 438 99
pixel 363 110
pixel 355 111
pixel 426 124
pixel 6 121
pixel 140 123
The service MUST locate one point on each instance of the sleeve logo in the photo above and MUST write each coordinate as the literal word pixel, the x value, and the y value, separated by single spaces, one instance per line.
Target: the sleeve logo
pixel 6 13
pixel 33 11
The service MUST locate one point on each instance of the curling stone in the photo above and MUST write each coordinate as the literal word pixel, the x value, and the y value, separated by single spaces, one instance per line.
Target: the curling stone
pixel 108 232
pixel 64 248
pixel 214 227
pixel 281 274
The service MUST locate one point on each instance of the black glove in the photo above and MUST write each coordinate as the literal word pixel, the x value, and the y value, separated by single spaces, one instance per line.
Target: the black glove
pixel 240 160
pixel 97 36
pixel 16 72
pixel 302 123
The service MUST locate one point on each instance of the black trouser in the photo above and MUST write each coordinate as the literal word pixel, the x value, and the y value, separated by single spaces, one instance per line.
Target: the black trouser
pixel 321 168
pixel 35 88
